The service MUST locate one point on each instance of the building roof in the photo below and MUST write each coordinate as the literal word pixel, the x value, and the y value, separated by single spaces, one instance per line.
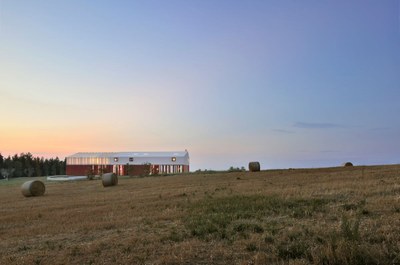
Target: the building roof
pixel 131 154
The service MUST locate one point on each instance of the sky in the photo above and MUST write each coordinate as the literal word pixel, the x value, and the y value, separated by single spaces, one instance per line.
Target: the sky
pixel 291 84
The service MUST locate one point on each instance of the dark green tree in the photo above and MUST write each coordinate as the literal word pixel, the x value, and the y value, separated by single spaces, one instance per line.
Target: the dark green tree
pixel 26 165
pixel 17 166
pixel 45 167
pixel 62 167
pixel 38 167
pixel 52 167
pixel 57 166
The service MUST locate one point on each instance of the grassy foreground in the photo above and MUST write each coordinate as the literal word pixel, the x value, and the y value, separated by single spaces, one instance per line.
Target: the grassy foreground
pixel 302 216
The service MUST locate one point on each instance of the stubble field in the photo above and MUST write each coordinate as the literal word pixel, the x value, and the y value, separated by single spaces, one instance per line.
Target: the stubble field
pixel 296 216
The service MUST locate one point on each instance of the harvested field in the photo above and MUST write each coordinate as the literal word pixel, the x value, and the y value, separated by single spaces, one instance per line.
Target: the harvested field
pixel 343 215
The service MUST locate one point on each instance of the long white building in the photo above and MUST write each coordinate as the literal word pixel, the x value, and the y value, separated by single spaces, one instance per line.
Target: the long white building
pixel 128 163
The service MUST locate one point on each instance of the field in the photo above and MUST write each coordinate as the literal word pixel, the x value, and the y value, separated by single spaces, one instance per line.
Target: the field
pixel 296 216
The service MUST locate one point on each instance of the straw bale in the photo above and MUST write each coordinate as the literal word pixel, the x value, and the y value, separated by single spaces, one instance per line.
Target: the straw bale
pixel 33 188
pixel 109 179
pixel 254 166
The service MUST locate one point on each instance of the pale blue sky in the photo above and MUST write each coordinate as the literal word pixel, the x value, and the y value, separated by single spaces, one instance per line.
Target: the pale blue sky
pixel 286 83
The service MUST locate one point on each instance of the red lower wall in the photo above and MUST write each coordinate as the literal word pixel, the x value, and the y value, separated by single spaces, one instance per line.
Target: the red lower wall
pixel 81 170
pixel 186 168
pixel 77 170
pixel 133 170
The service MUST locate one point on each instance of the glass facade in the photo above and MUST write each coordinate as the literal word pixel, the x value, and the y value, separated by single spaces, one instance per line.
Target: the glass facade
pixel 88 160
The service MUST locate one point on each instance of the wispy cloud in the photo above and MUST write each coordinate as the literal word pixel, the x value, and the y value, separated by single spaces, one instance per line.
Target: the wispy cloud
pixel 282 131
pixel 317 125
pixel 328 151
pixel 381 129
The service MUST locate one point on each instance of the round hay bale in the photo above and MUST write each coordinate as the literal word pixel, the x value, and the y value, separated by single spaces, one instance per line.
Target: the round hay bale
pixel 254 166
pixel 347 164
pixel 109 179
pixel 33 188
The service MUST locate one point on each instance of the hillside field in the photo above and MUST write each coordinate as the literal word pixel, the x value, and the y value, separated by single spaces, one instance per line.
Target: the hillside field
pixel 343 215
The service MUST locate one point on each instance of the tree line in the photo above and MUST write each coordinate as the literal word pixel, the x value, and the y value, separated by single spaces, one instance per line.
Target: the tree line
pixel 26 165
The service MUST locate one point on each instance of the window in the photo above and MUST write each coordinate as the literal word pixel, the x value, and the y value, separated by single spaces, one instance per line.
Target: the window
pixel 131 159
pixel 173 159
pixel 115 159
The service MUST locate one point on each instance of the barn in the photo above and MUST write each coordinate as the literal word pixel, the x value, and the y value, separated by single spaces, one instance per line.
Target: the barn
pixel 128 163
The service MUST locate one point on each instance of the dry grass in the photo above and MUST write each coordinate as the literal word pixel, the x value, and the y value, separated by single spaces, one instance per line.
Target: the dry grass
pixel 303 216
